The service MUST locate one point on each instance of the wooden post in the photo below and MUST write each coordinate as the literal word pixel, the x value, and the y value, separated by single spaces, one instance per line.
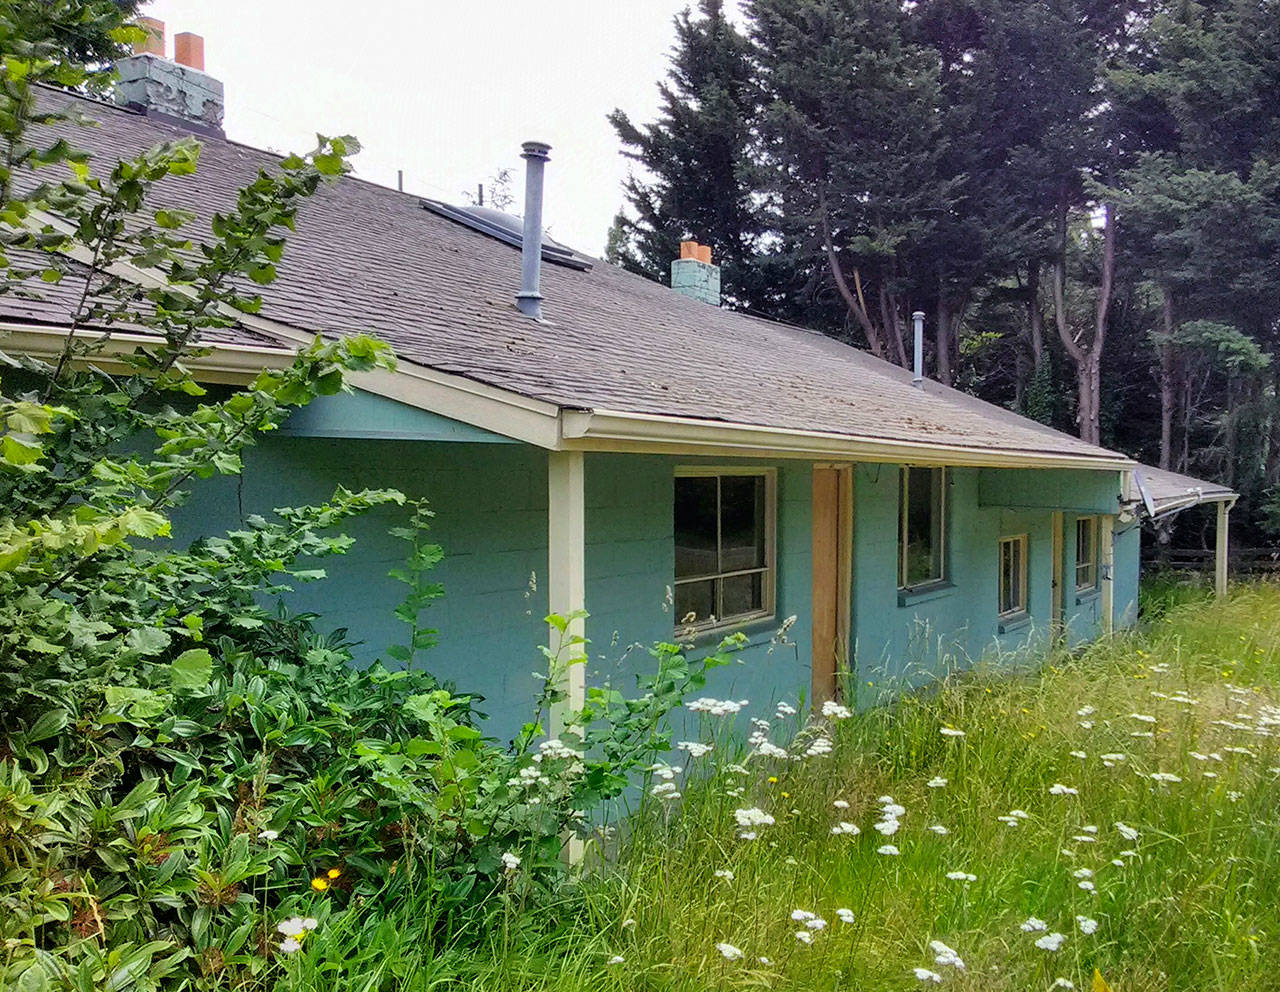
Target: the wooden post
pixel 1107 549
pixel 567 596
pixel 1220 555
pixel 566 573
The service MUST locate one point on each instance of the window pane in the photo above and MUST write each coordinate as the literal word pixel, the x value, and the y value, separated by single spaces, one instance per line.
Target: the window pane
pixel 924 525
pixel 1086 552
pixel 697 598
pixel 695 527
pixel 1013 563
pixel 1004 576
pixel 743 594
pixel 741 523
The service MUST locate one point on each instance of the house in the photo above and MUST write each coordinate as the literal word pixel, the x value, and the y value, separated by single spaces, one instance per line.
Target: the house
pixel 592 441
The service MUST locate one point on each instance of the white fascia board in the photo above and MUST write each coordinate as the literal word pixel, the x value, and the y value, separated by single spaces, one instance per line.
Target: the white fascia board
pixel 610 430
pixel 229 363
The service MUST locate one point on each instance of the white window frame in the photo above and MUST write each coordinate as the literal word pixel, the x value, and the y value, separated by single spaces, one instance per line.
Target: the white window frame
pixel 1022 605
pixel 1095 560
pixel 903 492
pixel 769 571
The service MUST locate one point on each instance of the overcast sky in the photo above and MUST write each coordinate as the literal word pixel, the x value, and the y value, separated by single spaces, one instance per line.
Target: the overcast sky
pixel 444 89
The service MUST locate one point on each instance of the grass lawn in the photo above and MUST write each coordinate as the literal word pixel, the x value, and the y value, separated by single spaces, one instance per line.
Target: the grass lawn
pixel 1115 810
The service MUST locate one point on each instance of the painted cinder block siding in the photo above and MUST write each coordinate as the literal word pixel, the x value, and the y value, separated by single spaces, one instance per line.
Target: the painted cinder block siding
pixel 490 501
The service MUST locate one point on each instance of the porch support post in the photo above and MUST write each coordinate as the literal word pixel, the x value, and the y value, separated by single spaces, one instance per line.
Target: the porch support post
pixel 1220 553
pixel 1106 539
pixel 566 580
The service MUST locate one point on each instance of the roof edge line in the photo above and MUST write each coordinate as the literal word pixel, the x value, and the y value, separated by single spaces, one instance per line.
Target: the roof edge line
pixel 604 429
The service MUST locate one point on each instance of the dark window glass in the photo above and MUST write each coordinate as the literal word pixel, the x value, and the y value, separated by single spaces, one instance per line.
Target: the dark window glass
pixel 696 527
pixel 742 536
pixel 1013 564
pixel 921 540
pixel 721 547
pixel 1086 552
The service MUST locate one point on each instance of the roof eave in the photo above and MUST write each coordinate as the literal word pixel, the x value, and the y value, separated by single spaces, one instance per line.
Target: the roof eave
pixel 615 430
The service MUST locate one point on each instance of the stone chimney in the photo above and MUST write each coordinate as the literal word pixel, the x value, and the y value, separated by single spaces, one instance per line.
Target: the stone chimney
pixel 693 274
pixel 177 91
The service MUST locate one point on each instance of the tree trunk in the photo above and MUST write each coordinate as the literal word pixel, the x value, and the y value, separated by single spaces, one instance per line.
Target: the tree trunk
pixel 1035 315
pixel 855 304
pixel 943 337
pixel 1086 356
pixel 1168 385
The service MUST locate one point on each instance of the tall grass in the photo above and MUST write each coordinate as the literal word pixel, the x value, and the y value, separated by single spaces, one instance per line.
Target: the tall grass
pixel 1195 904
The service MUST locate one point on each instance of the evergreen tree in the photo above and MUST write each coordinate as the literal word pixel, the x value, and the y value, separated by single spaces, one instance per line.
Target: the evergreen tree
pixel 697 178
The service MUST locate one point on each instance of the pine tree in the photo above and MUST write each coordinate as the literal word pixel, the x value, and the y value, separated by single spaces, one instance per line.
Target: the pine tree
pixel 697 177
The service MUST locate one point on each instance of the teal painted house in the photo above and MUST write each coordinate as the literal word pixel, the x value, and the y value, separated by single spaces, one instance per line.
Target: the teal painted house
pixel 591 441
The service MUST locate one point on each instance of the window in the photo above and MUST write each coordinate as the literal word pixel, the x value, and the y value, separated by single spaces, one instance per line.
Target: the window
pixel 1086 553
pixel 1013 576
pixel 922 527
pixel 723 546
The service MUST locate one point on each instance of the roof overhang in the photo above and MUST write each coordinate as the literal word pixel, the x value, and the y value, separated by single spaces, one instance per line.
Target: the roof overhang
pixel 547 425
pixel 613 430
pixel 1158 505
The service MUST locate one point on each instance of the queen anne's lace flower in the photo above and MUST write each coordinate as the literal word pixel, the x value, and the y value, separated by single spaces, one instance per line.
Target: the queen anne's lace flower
pixel 937 782
pixel 1052 942
pixel 945 955
pixel 696 749
pixel 887 849
pixel 950 732
pixel 729 952
pixel 844 915
pixel 1086 925
pixel 1033 924
pixel 925 975
pixel 1058 789
pixel 834 711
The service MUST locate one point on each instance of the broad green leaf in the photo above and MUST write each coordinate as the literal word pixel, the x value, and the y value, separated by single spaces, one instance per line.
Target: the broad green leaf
pixel 191 670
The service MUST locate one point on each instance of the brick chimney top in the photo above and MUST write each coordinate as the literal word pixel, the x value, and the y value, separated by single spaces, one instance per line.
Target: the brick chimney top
pixel 178 91
pixel 693 274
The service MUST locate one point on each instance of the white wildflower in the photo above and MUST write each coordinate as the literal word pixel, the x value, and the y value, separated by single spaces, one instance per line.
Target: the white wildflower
pixel 1087 886
pixel 1145 718
pixel 616 959
pixel 844 915
pixel 291 927
pixel 1086 711
pixel 767 749
pixel 696 749
pixel 817 923
pixel 844 827
pixel 289 945
pixel 1033 924
pixel 937 782
pixel 724 873
pixel 1085 838
pixel 888 849
pixel 840 804
pixel 268 835
pixel 888 827
pixel 1058 789
pixel 666 791
pixel 1083 873
pixel 729 952
pixel 1079 754
pixel 1063 983
pixel 925 975
pixel 510 861
pixel 1051 941
pixel 939 829
pixel 804 936
pixel 820 746
pixel 950 732
pixel 1087 724
pixel 945 955
pixel 1164 777
pixel 1126 831
pixel 801 915
pixel 961 876
pixel 716 707
pixel 785 710
pixel 834 711
pixel 752 816
pixel 1087 925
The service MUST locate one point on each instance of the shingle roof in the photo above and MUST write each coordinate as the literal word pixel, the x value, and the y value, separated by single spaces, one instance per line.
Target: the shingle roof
pixel 366 258
pixel 1164 491
pixel 42 304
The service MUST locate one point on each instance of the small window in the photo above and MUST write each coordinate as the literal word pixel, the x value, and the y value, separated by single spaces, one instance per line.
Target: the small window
pixel 922 527
pixel 723 547
pixel 1086 553
pixel 1013 576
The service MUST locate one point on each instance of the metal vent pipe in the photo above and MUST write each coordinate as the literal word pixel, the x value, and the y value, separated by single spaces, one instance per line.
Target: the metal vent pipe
pixel 917 379
pixel 529 299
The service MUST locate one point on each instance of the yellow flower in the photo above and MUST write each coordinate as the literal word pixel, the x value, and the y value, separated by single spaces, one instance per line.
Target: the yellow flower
pixel 319 884
pixel 335 872
pixel 773 779
pixel 786 795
